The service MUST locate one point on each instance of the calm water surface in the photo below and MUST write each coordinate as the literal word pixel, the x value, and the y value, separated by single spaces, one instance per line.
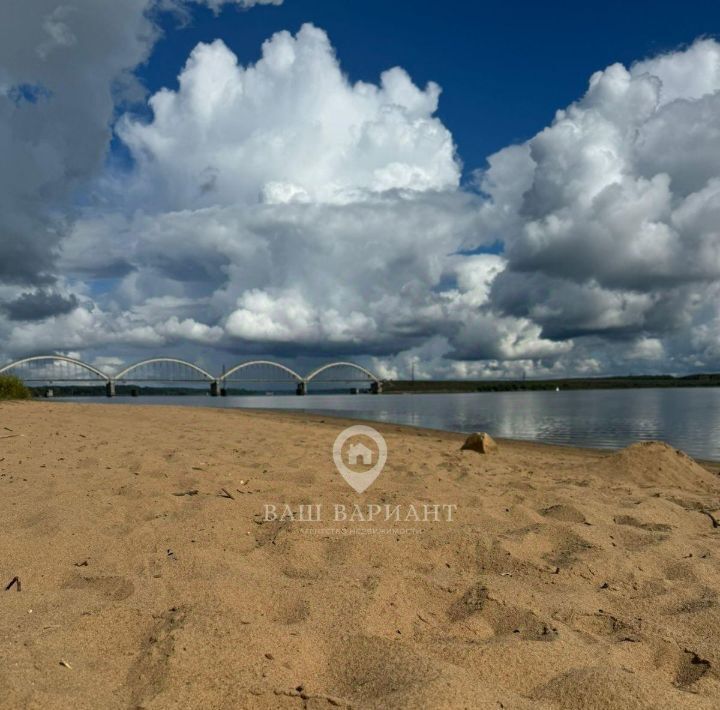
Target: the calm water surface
pixel 687 418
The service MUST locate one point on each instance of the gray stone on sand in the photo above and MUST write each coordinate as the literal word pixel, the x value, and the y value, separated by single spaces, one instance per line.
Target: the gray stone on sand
pixel 481 442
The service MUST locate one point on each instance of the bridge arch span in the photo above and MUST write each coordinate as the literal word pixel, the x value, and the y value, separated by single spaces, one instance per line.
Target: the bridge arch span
pixel 174 360
pixel 271 363
pixel 331 365
pixel 57 358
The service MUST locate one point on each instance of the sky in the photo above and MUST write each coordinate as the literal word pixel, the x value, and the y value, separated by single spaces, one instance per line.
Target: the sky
pixel 504 67
pixel 476 189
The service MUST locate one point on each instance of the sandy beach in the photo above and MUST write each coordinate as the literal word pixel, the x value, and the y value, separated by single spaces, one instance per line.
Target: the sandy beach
pixel 149 575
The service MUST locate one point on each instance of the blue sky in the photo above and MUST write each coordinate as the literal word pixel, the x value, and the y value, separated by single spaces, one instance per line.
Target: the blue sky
pixel 504 67
pixel 266 206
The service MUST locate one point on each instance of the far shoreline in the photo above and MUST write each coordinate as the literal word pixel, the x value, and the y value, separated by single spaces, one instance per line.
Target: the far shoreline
pixel 406 387
pixel 563 384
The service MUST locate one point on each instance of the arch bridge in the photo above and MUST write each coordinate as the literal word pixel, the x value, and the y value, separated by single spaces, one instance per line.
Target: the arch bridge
pixel 63 369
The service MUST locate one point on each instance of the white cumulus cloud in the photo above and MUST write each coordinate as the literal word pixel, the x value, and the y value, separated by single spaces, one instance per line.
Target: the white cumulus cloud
pixel 610 215
pixel 280 206
pixel 289 128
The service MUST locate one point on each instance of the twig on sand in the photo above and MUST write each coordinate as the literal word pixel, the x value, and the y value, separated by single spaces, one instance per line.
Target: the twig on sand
pixel 10 436
pixel 226 494
pixel 715 523
pixel 66 664
pixel 14 581
pixel 193 492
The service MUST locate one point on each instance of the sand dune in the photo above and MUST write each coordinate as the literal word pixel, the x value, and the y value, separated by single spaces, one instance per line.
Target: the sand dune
pixel 151 578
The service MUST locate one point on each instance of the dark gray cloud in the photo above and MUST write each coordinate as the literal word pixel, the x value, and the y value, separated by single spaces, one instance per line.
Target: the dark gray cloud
pixel 60 68
pixel 38 305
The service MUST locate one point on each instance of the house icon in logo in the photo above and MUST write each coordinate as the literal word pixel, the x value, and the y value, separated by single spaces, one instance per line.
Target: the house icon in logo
pixel 360 451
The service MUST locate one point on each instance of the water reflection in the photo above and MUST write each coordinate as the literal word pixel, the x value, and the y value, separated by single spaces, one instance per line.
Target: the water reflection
pixel 687 418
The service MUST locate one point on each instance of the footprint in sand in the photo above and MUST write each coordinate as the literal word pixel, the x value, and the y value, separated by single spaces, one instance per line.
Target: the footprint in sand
pixel 695 604
pixel 563 513
pixel 635 523
pixel 605 625
pixel 471 602
pixel 567 548
pixel 690 669
pixel 683 666
pixel 635 535
pixel 147 676
pixel 87 464
pixel 374 671
pixel 269 531
pixel 598 687
pixel 683 571
pixel 289 612
pixel 113 588
pixel 505 621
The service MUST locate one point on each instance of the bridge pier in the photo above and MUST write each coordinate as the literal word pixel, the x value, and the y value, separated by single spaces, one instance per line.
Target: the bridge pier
pixel 301 388
pixel 110 388
pixel 214 388
pixel 223 390
pixel 376 387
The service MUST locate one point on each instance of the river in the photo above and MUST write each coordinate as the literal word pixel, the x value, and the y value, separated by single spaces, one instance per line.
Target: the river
pixel 687 418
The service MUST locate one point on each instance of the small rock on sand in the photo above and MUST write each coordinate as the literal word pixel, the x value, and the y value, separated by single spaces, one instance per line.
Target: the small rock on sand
pixel 481 442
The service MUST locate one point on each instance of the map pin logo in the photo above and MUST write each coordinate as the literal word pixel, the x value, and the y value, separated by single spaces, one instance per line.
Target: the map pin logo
pixel 360 454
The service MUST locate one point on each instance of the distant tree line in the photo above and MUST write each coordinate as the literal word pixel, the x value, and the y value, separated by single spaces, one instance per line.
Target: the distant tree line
pixel 574 383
